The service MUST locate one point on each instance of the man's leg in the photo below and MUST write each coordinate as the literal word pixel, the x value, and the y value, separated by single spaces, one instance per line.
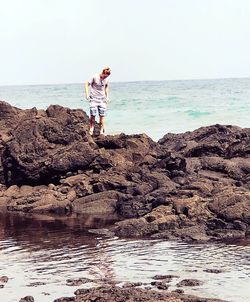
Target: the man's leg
pixel 102 111
pixel 101 124
pixel 92 124
pixel 93 112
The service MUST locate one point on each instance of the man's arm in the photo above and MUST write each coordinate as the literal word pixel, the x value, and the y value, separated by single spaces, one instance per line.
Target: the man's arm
pixel 107 92
pixel 87 90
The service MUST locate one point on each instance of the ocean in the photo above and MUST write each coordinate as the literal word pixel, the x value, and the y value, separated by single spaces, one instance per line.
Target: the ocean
pixel 151 107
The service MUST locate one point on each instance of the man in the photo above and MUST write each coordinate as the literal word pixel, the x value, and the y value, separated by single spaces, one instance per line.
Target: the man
pixel 98 97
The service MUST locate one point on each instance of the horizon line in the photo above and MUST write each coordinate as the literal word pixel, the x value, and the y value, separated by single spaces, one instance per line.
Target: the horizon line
pixel 127 81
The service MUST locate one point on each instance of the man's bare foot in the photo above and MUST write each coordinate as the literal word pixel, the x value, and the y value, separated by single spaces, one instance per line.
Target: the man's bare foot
pixel 91 130
pixel 102 132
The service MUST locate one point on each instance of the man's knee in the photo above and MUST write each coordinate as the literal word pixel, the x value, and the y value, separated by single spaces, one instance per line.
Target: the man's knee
pixel 93 111
pixel 102 111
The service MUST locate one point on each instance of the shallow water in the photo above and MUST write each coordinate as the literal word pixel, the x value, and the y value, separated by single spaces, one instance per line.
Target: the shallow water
pixel 39 254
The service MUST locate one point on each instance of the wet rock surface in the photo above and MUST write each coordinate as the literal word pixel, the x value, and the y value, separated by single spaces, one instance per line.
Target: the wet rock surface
pixel 115 293
pixel 3 281
pixel 213 270
pixel 193 186
pixel 166 278
pixel 27 299
pixel 77 282
pixel 189 282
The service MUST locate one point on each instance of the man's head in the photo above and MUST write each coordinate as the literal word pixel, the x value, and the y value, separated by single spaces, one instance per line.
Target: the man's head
pixel 105 73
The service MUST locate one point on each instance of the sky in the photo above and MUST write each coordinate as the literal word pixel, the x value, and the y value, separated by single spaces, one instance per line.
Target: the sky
pixel 67 41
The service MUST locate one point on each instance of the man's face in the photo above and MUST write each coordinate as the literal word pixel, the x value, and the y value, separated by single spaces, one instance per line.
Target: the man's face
pixel 104 75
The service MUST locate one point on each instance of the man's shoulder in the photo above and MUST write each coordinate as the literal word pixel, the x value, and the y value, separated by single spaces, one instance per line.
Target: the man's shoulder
pixel 106 81
pixel 94 78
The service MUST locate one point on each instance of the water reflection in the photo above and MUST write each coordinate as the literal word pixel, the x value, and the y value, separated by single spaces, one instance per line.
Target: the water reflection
pixel 42 232
pixel 50 250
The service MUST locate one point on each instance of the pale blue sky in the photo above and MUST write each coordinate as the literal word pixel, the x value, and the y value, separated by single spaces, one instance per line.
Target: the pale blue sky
pixel 66 41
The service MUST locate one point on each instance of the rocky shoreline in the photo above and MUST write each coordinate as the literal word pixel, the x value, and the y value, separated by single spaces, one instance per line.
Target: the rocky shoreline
pixel 192 186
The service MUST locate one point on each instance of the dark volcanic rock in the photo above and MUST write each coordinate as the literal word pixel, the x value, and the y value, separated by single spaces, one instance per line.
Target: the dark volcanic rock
pixel 77 282
pixel 193 185
pixel 131 284
pixel 167 278
pixel 189 282
pixel 42 149
pixel 4 279
pixel 225 141
pixel 160 285
pixel 27 299
pixel 213 270
pixel 115 293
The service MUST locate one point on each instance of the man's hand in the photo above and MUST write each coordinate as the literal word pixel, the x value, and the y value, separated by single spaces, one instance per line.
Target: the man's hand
pixel 107 100
pixel 87 98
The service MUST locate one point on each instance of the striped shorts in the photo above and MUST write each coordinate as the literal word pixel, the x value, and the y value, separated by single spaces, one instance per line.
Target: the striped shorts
pixel 98 105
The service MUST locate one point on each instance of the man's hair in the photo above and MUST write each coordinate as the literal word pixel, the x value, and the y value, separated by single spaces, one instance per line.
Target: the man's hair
pixel 106 71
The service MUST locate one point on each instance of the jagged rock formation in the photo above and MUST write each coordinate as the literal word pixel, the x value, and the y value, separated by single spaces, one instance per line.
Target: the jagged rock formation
pixel 193 185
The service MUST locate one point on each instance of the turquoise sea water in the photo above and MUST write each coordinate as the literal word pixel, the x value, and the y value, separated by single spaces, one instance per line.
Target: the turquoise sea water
pixel 154 108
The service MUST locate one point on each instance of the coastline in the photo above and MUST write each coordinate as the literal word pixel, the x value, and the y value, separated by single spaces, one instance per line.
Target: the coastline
pixel 192 183
pixel 192 186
